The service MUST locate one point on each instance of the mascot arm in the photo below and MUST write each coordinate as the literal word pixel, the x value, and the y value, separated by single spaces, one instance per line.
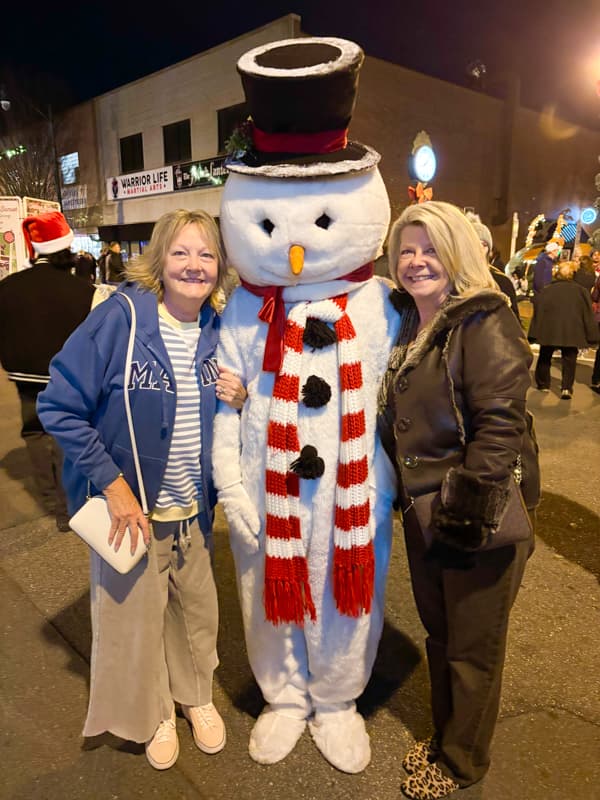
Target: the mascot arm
pixel 242 516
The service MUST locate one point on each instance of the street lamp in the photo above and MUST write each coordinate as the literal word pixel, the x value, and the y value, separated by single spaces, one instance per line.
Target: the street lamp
pixel 4 101
pixel 5 105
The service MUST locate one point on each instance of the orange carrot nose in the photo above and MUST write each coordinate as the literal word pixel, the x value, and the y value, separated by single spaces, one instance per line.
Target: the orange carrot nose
pixel 296 257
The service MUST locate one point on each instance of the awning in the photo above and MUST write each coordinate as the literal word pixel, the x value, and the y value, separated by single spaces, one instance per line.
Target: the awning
pixel 135 232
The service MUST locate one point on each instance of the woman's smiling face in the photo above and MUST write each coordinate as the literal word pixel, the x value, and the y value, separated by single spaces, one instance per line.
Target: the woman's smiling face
pixel 189 274
pixel 419 270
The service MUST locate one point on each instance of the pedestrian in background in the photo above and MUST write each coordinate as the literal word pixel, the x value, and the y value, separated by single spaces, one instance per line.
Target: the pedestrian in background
pixel 505 284
pixel 585 274
pixel 595 384
pixel 452 418
pixel 111 264
pixel 495 259
pixel 39 309
pixel 155 628
pixel 562 319
pixel 595 256
pixel 543 269
pixel 85 266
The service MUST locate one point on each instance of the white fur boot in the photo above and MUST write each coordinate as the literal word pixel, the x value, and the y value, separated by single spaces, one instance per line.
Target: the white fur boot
pixel 274 736
pixel 339 732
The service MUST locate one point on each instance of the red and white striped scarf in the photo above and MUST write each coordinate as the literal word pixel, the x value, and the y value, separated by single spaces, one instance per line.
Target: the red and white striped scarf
pixel 287 595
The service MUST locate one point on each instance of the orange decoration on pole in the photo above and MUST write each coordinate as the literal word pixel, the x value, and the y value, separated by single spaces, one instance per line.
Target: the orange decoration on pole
pixel 420 193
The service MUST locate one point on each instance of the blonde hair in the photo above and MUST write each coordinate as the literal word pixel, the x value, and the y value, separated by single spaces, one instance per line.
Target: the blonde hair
pixel 147 270
pixel 565 270
pixel 455 241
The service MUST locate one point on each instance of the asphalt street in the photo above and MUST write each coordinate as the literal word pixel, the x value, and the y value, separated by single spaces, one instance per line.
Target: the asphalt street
pixel 547 743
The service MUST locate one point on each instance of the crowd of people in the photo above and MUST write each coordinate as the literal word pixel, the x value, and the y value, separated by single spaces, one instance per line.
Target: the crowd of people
pixel 565 315
pixel 453 397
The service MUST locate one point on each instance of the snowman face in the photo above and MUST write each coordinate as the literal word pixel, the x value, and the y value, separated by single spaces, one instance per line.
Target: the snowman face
pixel 282 232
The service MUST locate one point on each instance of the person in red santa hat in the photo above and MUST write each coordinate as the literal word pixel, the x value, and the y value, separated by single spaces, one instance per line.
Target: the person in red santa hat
pixel 39 309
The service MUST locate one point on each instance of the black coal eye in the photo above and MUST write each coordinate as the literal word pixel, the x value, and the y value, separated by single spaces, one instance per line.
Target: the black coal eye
pixel 324 221
pixel 267 226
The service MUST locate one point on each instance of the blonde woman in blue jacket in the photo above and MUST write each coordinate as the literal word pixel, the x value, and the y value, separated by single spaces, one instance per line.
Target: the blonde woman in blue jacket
pixel 154 629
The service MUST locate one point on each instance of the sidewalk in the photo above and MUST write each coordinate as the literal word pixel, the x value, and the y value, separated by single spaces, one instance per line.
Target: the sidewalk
pixel 547 740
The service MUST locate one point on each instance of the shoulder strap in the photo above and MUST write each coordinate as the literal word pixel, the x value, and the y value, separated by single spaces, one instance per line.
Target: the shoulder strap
pixel 127 406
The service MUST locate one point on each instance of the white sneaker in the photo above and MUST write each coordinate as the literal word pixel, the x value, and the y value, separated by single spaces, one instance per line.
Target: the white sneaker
pixel 207 726
pixel 162 750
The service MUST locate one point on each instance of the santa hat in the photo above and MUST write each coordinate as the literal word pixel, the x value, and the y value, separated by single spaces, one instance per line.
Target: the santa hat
pixel 47 233
pixel 300 94
pixel 483 232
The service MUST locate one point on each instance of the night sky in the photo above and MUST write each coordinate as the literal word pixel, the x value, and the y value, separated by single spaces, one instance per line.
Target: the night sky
pixel 90 48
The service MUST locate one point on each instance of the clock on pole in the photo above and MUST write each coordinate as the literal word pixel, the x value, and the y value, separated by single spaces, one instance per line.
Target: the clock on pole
pixel 422 163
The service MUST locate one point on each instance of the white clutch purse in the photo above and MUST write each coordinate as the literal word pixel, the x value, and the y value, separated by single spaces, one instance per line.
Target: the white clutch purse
pixel 92 524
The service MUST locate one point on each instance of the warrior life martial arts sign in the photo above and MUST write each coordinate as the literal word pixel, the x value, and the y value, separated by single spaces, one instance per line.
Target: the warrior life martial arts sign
pixel 136 184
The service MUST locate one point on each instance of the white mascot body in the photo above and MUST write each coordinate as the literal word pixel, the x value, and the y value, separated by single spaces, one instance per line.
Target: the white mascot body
pixel 310 527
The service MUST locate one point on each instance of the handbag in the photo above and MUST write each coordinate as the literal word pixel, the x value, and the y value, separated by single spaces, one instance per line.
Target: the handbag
pixel 92 522
pixel 514 525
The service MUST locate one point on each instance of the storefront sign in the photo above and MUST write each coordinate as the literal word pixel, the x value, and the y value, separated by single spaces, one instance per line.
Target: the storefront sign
pixel 74 197
pixel 136 184
pixel 32 206
pixel 10 231
pixel 200 174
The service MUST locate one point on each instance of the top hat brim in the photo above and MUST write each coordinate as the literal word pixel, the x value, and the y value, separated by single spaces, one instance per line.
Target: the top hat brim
pixel 355 157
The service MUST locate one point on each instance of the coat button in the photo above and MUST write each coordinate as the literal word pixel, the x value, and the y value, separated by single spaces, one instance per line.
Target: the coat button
pixel 410 462
pixel 404 424
pixel 402 384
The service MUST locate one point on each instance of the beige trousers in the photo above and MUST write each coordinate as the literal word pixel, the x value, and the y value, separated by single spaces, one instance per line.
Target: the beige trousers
pixel 154 634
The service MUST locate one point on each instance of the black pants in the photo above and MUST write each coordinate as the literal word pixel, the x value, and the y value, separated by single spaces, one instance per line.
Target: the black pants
pixel 596 370
pixel 44 453
pixel 465 614
pixel 568 365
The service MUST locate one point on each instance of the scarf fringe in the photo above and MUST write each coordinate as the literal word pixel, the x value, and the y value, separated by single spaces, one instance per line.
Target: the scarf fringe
pixel 354 580
pixel 288 601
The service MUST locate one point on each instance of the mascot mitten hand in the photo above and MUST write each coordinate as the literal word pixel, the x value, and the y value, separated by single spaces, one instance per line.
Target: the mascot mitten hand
pixel 241 515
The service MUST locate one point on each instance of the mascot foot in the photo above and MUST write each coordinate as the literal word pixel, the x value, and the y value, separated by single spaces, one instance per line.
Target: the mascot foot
pixel 341 737
pixel 274 736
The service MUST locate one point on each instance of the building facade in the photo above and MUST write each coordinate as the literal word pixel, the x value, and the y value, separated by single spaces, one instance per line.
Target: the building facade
pixel 157 144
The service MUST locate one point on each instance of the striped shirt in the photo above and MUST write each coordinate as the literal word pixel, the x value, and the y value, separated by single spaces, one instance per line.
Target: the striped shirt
pixel 180 491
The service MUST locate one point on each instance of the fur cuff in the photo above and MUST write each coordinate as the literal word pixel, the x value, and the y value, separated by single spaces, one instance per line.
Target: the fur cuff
pixel 474 499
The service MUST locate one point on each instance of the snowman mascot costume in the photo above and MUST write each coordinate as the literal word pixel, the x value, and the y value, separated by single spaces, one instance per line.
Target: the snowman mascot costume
pixel 306 490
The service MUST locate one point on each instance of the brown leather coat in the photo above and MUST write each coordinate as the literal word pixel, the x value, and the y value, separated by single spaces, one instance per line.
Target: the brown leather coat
pixel 458 400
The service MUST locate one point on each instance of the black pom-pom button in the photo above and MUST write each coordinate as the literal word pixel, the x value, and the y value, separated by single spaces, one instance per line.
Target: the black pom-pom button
pixel 318 334
pixel 309 465
pixel 316 392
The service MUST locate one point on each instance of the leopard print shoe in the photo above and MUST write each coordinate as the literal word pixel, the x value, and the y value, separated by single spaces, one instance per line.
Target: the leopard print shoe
pixel 429 783
pixel 420 755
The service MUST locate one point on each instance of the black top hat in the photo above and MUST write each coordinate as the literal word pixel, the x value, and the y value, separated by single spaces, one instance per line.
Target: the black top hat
pixel 301 94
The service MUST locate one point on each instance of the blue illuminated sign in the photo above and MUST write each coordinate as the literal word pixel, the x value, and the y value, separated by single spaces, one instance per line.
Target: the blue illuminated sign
pixel 588 215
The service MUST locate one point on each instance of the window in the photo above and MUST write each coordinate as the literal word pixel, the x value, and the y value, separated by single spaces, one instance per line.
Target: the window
pixel 69 168
pixel 229 118
pixel 177 142
pixel 132 153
